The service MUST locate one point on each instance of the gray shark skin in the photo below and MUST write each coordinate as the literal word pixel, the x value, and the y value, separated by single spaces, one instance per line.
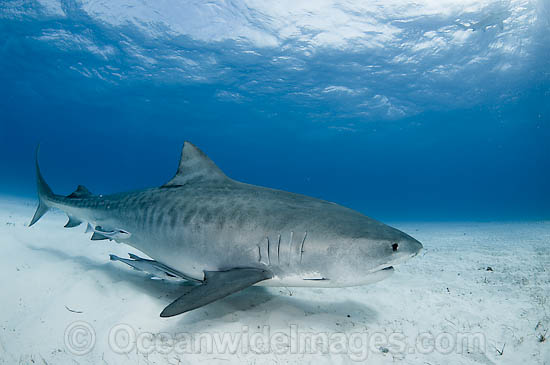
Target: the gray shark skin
pixel 226 235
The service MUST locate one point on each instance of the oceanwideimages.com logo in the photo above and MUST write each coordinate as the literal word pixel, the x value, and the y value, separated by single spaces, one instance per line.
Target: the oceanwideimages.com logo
pixel 80 339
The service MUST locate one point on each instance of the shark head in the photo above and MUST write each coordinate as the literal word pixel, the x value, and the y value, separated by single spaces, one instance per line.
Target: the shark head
pixel 373 258
pixel 379 255
pixel 360 250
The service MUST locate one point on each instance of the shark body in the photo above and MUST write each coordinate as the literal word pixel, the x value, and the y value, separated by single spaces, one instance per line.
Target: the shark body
pixel 226 235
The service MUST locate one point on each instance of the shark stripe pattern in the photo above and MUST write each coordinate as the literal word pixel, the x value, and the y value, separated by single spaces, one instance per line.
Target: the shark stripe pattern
pixel 226 235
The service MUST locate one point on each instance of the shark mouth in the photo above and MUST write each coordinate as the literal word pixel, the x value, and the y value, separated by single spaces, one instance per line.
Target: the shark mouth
pixel 383 267
pixel 379 273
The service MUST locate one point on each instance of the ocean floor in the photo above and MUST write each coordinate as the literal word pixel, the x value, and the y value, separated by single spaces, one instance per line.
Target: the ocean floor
pixel 477 294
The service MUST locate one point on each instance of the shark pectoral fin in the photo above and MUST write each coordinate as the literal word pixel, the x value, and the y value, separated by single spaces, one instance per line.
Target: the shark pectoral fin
pixel 73 222
pixel 217 285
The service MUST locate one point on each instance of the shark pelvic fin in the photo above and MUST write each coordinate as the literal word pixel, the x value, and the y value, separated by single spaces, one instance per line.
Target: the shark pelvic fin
pixel 195 166
pixel 217 285
pixel 73 222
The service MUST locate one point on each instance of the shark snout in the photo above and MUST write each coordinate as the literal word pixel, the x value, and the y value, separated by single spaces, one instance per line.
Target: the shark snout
pixel 408 246
pixel 400 250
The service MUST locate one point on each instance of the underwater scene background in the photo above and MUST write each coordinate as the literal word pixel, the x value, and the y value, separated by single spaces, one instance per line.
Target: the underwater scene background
pixel 433 110
pixel 432 116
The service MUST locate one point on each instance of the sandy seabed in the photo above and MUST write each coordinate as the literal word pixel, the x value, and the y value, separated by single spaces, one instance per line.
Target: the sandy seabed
pixel 477 294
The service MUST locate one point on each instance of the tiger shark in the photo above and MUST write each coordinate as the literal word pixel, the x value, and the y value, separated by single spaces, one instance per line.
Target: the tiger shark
pixel 225 235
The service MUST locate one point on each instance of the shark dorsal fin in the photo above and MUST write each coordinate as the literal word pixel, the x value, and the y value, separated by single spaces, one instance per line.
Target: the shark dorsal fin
pixel 195 166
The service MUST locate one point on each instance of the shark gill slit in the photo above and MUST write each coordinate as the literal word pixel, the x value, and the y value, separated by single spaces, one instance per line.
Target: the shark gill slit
pixel 302 246
pixel 268 255
pixel 263 257
pixel 279 248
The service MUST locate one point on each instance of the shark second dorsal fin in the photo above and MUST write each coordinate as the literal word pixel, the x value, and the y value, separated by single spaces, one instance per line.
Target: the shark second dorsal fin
pixel 195 166
pixel 80 192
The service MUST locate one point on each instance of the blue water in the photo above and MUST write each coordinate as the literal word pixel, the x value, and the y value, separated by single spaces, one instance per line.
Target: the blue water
pixel 401 111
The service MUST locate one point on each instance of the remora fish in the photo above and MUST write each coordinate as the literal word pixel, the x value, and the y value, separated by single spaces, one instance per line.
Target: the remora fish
pixel 226 235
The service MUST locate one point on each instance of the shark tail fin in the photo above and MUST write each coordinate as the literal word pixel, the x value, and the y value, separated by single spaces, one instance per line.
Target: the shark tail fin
pixel 44 193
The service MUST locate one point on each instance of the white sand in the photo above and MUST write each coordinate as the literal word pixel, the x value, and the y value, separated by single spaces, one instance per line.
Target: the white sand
pixel 446 293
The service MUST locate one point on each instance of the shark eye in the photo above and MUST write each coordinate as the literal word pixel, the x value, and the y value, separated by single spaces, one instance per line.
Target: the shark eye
pixel 394 247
